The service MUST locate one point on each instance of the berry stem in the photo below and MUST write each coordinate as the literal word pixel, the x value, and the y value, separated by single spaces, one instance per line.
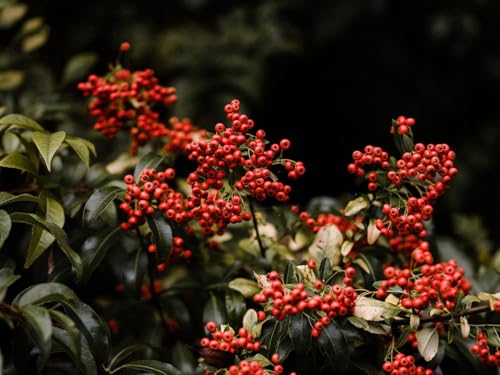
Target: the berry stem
pixel 256 227
pixel 449 316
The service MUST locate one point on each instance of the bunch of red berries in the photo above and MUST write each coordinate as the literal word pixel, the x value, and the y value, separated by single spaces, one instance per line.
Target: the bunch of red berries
pixel 287 300
pixel 176 252
pixel 412 246
pixel 180 134
pixel 482 349
pixel 435 285
pixel 404 365
pixel 315 224
pixel 403 125
pixel 126 99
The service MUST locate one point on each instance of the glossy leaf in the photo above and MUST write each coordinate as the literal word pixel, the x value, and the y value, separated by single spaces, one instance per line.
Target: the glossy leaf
pixel 41 239
pixel 248 288
pixel 333 345
pixel 16 160
pixel 7 278
pixel 428 342
pixel 48 144
pixel 150 160
pixel 183 358
pixel 272 336
pixel 38 321
pixel 150 366
pixel 235 306
pixel 325 269
pixel 299 331
pixel 215 310
pixel 72 336
pixel 94 258
pixel 7 198
pixel 124 354
pixel 98 202
pixel 58 233
pixel 45 292
pixel 5 226
pixel 80 149
pixel 162 235
pixel 20 121
pixel 82 356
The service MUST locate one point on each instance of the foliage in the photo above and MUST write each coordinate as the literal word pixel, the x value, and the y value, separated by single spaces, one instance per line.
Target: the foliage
pixel 170 249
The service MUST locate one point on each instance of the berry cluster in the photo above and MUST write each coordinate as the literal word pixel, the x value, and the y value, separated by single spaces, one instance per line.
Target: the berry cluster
pixel 403 125
pixel 180 134
pixel 331 301
pixel 315 224
pixel 176 252
pixel 435 285
pixel 412 246
pixel 126 99
pixel 404 365
pixel 481 348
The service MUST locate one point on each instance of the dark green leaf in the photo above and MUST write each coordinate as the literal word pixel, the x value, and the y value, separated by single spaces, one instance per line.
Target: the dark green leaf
pixel 150 160
pixel 58 233
pixel 41 239
pixel 124 354
pixel 235 306
pixel 45 292
pixel 7 278
pixel 299 331
pixel 98 202
pixel 333 345
pixel 78 66
pixel 48 144
pixel 20 121
pixel 39 323
pixel 150 366
pixel 6 198
pixel 183 358
pixel 291 274
pixel 214 311
pixel 94 258
pixel 162 235
pixel 80 149
pixel 92 327
pixel 5 226
pixel 72 334
pixel 272 335
pixel 404 143
pixel 82 357
pixel 325 269
pixel 16 160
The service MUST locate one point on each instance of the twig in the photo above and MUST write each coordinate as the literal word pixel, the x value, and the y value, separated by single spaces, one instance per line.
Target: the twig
pixel 256 227
pixel 448 316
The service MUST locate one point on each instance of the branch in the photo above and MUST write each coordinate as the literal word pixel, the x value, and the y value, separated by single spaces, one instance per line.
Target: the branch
pixel 256 227
pixel 447 316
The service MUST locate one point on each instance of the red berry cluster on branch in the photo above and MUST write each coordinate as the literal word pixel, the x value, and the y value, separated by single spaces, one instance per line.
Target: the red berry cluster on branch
pixel 412 246
pixel 287 300
pixel 482 349
pixel 180 134
pixel 435 285
pixel 404 365
pixel 315 224
pixel 403 125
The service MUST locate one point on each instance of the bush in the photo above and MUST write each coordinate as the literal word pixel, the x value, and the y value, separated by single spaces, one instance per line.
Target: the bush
pixel 151 245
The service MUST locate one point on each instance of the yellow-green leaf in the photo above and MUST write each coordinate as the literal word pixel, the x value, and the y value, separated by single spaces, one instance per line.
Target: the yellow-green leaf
pixel 11 79
pixel 16 160
pixel 245 286
pixel 35 40
pixel 20 121
pixel 12 13
pixel 5 226
pixel 356 205
pixel 80 149
pixel 48 144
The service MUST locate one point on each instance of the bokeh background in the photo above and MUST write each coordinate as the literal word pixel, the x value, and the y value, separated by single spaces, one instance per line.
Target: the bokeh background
pixel 328 75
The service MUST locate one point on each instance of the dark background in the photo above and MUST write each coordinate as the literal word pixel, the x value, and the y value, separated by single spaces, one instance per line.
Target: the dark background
pixel 328 75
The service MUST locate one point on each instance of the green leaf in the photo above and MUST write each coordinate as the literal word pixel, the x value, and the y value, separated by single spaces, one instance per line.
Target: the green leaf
pixel 16 160
pixel 92 327
pixel 72 333
pixel 150 160
pixel 41 239
pixel 372 327
pixel 162 235
pixel 98 202
pixel 20 121
pixel 248 288
pixel 183 358
pixel 5 226
pixel 356 205
pixel 428 342
pixel 334 346
pixel 80 149
pixel 82 357
pixel 11 142
pixel 250 320
pixel 7 278
pixel 78 66
pixel 374 310
pixel 235 306
pixel 45 292
pixel 214 311
pixel 404 143
pixel 35 40
pixel 272 337
pixel 11 79
pixel 58 233
pixel 7 198
pixel 124 354
pixel 94 258
pixel 150 366
pixel 299 331
pixel 325 269
pixel 291 275
pixel 48 144
pixel 39 322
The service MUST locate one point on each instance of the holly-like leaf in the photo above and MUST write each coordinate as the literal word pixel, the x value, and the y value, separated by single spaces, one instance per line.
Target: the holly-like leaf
pixel 162 235
pixel 5 226
pixel 39 294
pixel 214 310
pixel 248 288
pixel 98 202
pixel 41 239
pixel 48 144
pixel 374 310
pixel 38 320
pixel 16 160
pixel 150 366
pixel 20 121
pixel 428 342
pixel 58 233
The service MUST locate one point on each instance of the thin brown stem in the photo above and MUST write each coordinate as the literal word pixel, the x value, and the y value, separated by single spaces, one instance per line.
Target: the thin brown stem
pixel 448 316
pixel 256 227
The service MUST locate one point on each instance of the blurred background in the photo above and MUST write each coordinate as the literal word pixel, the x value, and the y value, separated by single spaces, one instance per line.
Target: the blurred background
pixel 328 75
